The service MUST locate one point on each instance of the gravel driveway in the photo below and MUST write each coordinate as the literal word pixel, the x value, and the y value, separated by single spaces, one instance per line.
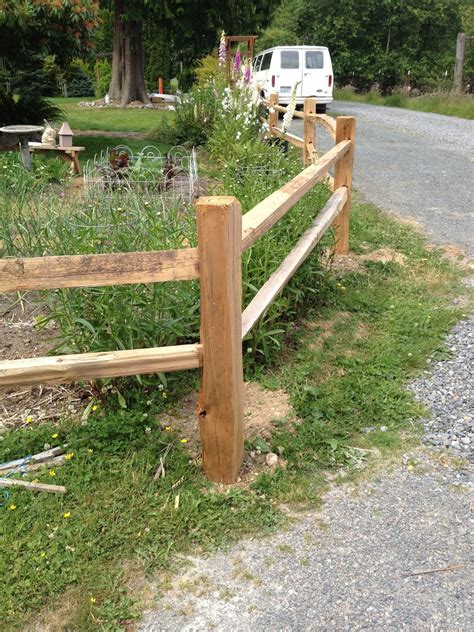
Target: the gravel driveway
pixel 414 164
pixel 395 553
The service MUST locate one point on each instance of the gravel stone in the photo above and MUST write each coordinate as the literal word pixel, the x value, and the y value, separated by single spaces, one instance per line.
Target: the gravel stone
pixel 413 164
pixel 352 566
pixel 447 389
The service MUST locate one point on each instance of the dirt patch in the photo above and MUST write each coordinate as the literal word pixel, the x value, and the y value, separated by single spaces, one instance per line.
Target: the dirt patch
pixel 262 408
pixel 326 328
pixel 344 264
pixel 21 338
pixel 110 134
pixel 456 255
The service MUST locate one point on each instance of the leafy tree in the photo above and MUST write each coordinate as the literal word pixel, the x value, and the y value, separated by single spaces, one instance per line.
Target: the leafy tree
pixel 376 41
pixel 30 33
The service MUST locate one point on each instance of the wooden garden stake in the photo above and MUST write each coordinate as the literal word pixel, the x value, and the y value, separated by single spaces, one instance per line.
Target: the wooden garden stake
pixel 220 407
pixel 273 115
pixel 345 130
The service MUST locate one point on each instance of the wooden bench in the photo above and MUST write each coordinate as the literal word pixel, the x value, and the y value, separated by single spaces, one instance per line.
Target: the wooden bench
pixel 69 154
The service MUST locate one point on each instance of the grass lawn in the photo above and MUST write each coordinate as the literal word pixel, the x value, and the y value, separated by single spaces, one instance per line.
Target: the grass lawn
pixel 450 105
pixel 84 557
pixel 111 119
pixel 95 144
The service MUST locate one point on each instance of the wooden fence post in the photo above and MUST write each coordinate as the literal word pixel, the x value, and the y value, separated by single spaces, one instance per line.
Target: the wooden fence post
pixel 220 407
pixel 345 130
pixel 309 131
pixel 272 116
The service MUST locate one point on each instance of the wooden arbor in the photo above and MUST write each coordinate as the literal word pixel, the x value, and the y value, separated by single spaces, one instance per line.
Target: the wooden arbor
pixel 248 40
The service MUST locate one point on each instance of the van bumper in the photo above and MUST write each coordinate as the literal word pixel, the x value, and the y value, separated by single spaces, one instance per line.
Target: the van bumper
pixel 284 100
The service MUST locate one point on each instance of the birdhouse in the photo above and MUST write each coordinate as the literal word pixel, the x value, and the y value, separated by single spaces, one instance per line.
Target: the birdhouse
pixel 65 136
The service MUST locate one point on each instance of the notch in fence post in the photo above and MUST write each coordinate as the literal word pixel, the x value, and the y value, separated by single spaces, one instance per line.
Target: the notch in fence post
pixel 309 131
pixel 220 407
pixel 345 130
pixel 272 116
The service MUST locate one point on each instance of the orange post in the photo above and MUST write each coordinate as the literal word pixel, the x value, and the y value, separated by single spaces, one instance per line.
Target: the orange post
pixel 160 85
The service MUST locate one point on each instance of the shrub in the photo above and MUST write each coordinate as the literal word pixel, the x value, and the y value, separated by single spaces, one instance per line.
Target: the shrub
pixel 103 73
pixel 28 108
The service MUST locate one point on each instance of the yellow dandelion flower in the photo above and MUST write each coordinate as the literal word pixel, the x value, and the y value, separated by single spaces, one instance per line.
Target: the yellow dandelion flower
pixel 90 450
pixel 12 507
pixel 168 428
pixel 94 408
pixel 52 473
pixel 69 456
pixel 93 599
pixel 184 440
pixel 28 419
pixel 67 514
pixel 42 554
pixel 55 435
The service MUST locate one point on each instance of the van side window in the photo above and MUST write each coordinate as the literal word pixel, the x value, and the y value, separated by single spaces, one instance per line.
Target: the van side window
pixel 256 63
pixel 290 59
pixel 314 59
pixel 266 61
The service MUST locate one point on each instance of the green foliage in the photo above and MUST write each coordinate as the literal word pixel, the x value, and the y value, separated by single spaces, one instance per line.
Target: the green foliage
pixel 373 41
pixel 80 85
pixel 28 109
pixel 103 73
pixel 208 70
pixel 447 104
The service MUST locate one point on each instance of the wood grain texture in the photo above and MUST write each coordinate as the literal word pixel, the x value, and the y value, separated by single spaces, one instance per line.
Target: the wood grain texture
pixel 291 138
pixel 275 284
pixel 309 131
pixel 345 130
pixel 328 122
pixel 87 366
pixel 34 487
pixel 220 407
pixel 41 273
pixel 263 216
pixel 272 115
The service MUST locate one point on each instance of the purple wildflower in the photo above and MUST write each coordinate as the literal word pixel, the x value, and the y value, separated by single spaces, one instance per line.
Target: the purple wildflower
pixel 237 61
pixel 247 72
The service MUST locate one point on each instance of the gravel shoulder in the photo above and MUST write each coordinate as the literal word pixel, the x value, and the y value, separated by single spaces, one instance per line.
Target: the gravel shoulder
pixel 416 165
pixel 369 560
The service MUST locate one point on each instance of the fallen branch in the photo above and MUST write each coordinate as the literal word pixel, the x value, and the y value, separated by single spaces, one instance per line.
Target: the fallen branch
pixel 34 487
pixel 451 567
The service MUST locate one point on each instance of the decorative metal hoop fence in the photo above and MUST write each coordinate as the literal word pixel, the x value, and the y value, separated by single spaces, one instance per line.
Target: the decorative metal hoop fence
pixel 172 176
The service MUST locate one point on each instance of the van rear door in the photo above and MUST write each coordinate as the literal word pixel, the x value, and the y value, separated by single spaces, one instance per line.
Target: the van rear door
pixel 316 73
pixel 290 73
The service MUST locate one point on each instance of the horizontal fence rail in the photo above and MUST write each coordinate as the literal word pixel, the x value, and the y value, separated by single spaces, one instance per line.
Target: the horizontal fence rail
pixel 223 235
pixel 45 273
pixel 276 283
pixel 88 366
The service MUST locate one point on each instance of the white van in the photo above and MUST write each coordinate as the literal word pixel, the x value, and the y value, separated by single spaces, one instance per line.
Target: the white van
pixel 279 69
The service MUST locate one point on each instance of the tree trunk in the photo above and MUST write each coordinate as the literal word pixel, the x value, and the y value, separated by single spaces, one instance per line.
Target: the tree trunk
pixel 128 81
pixel 116 80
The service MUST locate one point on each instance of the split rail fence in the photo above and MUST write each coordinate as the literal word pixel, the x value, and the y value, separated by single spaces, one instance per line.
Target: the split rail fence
pixel 223 235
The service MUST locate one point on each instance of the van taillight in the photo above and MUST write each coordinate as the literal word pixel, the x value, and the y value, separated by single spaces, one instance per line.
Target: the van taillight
pixel 330 80
pixel 273 81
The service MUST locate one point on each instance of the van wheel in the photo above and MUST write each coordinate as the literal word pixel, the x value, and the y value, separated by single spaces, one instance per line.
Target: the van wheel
pixel 321 109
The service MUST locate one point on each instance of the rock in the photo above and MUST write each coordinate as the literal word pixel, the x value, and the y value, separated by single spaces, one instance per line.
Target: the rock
pixel 271 459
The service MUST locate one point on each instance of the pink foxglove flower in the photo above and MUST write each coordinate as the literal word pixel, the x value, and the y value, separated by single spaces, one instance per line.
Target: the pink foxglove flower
pixel 222 50
pixel 247 72
pixel 237 62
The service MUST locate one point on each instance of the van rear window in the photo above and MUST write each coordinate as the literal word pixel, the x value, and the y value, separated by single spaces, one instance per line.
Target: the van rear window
pixel 290 59
pixel 266 61
pixel 314 59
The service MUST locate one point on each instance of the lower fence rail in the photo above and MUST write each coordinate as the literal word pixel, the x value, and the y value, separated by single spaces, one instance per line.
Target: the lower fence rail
pixel 88 366
pixel 276 283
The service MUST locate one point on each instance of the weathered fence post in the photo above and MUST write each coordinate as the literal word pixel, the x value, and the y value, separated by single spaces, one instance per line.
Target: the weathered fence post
pixel 220 407
pixel 345 130
pixel 309 130
pixel 272 116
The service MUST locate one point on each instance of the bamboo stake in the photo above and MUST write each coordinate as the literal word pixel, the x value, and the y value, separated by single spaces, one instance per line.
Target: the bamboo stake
pixel 34 487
